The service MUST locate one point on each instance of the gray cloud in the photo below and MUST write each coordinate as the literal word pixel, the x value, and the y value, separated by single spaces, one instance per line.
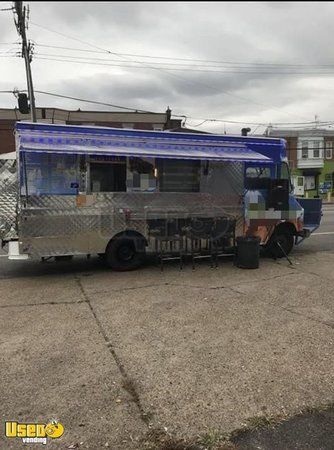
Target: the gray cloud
pixel 271 32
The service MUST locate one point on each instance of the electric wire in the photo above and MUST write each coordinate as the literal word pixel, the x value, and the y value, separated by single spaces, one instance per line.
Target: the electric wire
pixel 202 120
pixel 220 62
pixel 193 82
pixel 92 61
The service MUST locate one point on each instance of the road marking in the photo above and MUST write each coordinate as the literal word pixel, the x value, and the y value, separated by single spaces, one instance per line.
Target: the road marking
pixel 322 232
pixel 3 256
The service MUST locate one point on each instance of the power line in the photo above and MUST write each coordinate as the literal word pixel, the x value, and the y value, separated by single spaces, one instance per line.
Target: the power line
pixel 94 102
pixel 201 119
pixel 83 100
pixel 92 61
pixel 188 59
pixel 139 62
pixel 243 99
pixel 254 123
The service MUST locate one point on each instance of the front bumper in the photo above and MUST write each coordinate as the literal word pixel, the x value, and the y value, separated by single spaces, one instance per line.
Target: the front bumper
pixel 304 233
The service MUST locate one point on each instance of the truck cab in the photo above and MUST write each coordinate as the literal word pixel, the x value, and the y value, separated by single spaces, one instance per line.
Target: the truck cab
pixel 272 210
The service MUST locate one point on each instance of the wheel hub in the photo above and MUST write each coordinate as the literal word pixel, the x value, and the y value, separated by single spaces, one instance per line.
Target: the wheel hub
pixel 126 253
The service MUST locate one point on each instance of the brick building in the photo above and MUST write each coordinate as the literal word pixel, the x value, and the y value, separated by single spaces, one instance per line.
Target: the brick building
pixel 311 158
pixel 136 120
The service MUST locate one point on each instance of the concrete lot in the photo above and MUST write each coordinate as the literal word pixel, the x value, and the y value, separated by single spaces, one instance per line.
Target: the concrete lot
pixel 117 356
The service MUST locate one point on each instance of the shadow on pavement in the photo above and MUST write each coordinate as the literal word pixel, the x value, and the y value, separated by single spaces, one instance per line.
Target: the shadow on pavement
pixel 82 265
pixel 313 430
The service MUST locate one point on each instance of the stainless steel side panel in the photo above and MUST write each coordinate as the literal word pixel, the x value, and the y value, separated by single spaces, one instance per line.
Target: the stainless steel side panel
pixel 8 199
pixel 55 225
pixel 66 224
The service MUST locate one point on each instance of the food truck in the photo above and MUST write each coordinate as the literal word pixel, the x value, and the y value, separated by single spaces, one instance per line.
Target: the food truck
pixel 121 193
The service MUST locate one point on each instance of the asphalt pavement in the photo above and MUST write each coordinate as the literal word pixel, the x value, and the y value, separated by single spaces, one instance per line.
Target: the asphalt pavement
pixel 323 238
pixel 174 360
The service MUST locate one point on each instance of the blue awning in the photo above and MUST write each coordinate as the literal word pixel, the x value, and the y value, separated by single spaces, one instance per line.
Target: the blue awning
pixel 41 138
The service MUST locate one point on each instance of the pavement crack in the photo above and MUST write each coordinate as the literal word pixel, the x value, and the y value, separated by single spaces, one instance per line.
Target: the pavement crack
pixel 309 272
pixel 41 304
pixel 290 310
pixel 172 284
pixel 131 288
pixel 127 383
pixel 298 313
pixel 230 286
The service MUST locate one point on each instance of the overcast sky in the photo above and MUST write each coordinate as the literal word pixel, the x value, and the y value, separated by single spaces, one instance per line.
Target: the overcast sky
pixel 289 33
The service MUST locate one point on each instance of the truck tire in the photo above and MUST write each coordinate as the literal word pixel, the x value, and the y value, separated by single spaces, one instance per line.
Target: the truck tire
pixel 121 254
pixel 286 240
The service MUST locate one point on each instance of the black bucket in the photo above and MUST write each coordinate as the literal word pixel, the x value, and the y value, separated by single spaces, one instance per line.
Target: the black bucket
pixel 248 252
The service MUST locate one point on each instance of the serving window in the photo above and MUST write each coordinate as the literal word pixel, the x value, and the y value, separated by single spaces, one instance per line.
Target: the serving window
pixel 108 175
pixel 178 175
pixel 49 174
pixel 141 175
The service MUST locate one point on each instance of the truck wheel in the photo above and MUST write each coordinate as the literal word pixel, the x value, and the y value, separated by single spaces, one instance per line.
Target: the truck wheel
pixel 122 255
pixel 285 239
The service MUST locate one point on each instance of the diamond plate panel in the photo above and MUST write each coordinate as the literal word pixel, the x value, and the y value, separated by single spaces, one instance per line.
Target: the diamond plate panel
pixel 8 199
pixel 58 225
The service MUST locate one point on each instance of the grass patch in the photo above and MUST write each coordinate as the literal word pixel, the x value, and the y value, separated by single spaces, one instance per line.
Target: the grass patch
pixel 212 439
pixel 263 421
pixel 317 408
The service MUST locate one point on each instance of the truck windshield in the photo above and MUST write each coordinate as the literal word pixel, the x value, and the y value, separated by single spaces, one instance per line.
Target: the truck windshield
pixel 258 172
pixel 257 177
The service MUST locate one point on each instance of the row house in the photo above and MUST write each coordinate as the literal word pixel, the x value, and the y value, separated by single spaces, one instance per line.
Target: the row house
pixel 311 159
pixel 136 120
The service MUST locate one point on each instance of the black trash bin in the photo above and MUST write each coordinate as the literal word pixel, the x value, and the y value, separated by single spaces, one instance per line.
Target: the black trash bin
pixel 248 252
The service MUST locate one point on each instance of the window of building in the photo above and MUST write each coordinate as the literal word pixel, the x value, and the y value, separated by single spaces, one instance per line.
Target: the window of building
pixel 178 175
pixel 329 149
pixel 304 149
pixel 316 149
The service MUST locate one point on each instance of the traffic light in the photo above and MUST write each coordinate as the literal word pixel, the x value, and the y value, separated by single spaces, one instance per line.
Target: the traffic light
pixel 24 107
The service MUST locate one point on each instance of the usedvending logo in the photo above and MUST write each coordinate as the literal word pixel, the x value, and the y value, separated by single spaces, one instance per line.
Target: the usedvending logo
pixel 34 433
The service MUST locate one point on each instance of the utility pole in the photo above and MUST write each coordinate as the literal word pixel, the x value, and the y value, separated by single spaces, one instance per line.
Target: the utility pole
pixel 21 26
